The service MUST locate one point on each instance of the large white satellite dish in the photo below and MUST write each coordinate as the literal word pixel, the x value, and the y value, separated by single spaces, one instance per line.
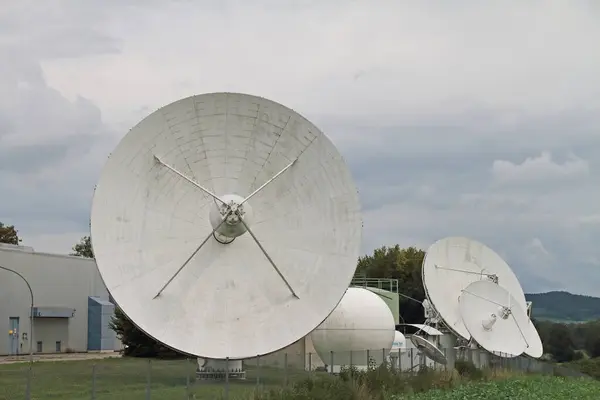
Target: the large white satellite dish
pixel 451 264
pixel 222 214
pixel 494 318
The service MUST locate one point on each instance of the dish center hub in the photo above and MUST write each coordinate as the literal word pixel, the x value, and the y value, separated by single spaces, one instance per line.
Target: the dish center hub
pixel 505 312
pixel 230 218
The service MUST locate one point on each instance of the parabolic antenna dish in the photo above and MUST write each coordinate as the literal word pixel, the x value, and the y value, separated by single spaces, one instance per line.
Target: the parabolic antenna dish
pixel 451 264
pixel 536 348
pixel 494 318
pixel 225 213
pixel 429 330
pixel 430 350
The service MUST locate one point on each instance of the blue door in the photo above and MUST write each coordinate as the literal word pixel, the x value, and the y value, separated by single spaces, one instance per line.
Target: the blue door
pixel 13 335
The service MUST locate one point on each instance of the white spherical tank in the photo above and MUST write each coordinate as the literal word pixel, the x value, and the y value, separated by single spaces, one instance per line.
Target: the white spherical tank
pixel 399 345
pixel 398 348
pixel 359 331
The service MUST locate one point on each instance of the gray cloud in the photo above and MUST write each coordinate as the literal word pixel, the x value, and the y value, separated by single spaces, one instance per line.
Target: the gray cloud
pixel 51 147
pixel 522 191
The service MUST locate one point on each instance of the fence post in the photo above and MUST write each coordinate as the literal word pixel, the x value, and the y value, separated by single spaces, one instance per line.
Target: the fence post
pixel 368 360
pixel 257 371
pixel 412 360
pixel 227 378
pixel 331 364
pixel 399 361
pixel 310 365
pixel 187 378
pixel 285 368
pixel 351 364
pixel 94 381
pixel 28 384
pixel 383 360
pixel 446 357
pixel 148 380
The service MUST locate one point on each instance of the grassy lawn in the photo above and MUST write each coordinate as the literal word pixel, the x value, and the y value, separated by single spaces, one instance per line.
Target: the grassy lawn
pixel 126 379
pixel 525 387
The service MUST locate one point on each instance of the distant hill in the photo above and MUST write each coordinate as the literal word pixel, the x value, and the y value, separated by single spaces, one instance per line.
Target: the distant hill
pixel 564 307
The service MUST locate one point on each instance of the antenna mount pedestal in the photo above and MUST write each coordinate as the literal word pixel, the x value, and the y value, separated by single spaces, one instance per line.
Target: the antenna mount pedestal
pixel 219 370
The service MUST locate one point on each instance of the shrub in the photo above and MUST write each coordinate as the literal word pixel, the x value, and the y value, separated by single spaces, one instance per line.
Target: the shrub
pixel 590 366
pixel 373 384
pixel 468 370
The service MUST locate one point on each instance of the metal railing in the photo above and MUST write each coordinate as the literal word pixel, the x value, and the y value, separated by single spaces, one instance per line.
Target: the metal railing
pixel 389 284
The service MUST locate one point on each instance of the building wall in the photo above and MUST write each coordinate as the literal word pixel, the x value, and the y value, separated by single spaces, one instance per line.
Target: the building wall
pixel 49 331
pixel 100 336
pixel 56 281
pixel 292 355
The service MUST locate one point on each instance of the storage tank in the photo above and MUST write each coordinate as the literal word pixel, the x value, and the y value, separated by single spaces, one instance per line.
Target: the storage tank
pixel 360 331
pixel 398 348
pixel 399 345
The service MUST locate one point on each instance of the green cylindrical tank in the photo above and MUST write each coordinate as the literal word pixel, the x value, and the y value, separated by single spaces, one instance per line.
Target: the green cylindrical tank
pixel 391 299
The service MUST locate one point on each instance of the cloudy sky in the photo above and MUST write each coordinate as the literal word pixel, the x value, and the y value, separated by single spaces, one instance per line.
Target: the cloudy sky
pixel 477 118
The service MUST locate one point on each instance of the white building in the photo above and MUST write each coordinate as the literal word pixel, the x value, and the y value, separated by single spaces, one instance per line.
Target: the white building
pixel 71 309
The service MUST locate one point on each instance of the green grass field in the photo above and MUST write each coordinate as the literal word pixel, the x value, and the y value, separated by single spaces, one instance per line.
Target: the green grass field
pixel 526 388
pixel 126 379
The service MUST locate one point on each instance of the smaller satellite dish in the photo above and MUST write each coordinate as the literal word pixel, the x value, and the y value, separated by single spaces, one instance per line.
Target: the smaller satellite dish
pixel 494 318
pixel 536 348
pixel 429 330
pixel 451 264
pixel 429 349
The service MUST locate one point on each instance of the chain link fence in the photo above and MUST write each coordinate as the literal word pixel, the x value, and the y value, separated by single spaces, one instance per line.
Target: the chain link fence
pixel 133 378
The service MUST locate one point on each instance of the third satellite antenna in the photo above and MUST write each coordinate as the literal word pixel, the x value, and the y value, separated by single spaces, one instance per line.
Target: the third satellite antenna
pixel 451 264
pixel 225 213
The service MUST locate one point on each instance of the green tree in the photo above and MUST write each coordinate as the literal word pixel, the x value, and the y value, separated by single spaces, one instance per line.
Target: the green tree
pixel 589 334
pixel 404 265
pixel 8 234
pixel 594 348
pixel 559 343
pixel 137 343
pixel 83 248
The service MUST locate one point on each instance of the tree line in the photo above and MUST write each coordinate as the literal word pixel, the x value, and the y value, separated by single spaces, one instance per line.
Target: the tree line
pixel 569 342
pixel 562 342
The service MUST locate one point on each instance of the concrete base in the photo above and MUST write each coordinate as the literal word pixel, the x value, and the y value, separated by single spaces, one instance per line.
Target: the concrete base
pixel 220 369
